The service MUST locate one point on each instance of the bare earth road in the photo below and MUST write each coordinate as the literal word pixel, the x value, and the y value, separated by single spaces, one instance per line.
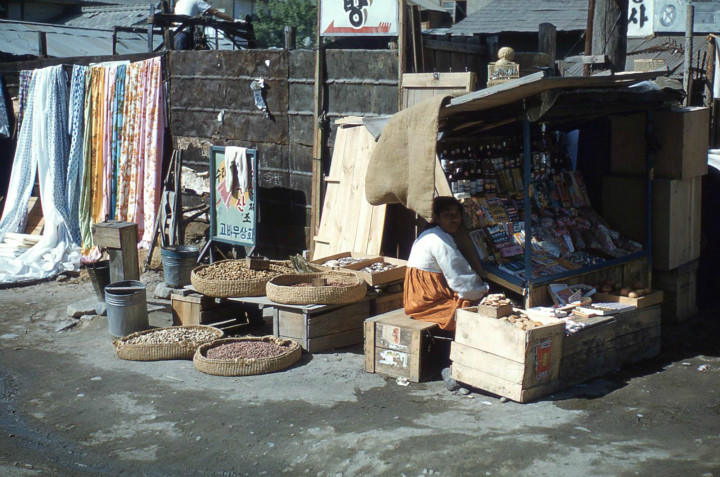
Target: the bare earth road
pixel 68 406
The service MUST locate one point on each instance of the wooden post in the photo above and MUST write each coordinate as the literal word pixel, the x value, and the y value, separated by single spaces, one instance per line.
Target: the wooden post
pixel 547 36
pixel 290 37
pixel 401 50
pixel 710 86
pixel 318 135
pixel 589 34
pixel 689 27
pixel 42 44
pixel 610 32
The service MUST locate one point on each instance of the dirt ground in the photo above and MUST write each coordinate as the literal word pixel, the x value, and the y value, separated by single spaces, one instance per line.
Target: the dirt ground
pixel 69 406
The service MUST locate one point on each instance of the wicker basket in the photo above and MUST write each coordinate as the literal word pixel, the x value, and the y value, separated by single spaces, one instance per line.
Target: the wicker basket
pixel 280 289
pixel 156 352
pixel 246 366
pixel 230 288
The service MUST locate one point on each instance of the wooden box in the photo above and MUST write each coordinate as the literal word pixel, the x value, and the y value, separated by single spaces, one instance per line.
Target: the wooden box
pixel 398 346
pixel 676 207
pixel 498 357
pixel 120 239
pixel 495 311
pixel 384 302
pixel 198 309
pixel 653 298
pixel 321 327
pixel 372 279
pixel 680 288
pixel 627 144
pixel 609 342
pixel 683 136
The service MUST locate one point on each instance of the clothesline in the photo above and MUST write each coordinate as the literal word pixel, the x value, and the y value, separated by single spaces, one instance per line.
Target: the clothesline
pixel 105 137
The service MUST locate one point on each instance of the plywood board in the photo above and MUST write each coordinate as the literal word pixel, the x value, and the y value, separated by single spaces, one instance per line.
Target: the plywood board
pixel 348 221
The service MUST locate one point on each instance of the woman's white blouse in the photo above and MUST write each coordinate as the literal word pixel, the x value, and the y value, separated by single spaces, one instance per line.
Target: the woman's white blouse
pixel 435 251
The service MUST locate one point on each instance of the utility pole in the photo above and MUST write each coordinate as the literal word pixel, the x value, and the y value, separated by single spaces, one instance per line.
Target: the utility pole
pixel 610 32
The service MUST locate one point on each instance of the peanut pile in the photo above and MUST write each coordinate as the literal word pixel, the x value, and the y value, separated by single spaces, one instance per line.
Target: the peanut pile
pixel 246 349
pixel 521 321
pixel 237 270
pixel 172 335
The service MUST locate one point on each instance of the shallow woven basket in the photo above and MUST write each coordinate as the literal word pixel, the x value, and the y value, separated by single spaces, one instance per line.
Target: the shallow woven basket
pixel 230 288
pixel 280 289
pixel 156 352
pixel 246 366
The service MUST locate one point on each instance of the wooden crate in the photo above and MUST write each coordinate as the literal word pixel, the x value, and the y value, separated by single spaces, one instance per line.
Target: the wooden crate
pixel 384 302
pixel 608 343
pixel 321 327
pixel 676 207
pixel 680 288
pixel 498 357
pixel 373 279
pixel 398 346
pixel 651 299
pixel 198 309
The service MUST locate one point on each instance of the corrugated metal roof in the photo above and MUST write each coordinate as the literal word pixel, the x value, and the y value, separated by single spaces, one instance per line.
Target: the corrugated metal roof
pixel 669 48
pixel 21 38
pixel 501 16
pixel 107 16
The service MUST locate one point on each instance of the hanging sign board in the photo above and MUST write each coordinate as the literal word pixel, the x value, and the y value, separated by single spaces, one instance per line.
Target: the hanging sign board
pixel 359 18
pixel 233 199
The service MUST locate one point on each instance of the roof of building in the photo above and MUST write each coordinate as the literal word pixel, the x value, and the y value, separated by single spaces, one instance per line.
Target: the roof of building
pixel 21 38
pixel 501 16
pixel 107 16
pixel 667 50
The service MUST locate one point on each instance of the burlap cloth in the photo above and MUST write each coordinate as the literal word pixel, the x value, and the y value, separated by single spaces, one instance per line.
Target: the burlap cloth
pixel 402 166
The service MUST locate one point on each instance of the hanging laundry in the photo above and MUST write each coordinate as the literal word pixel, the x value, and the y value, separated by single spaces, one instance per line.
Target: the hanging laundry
pixel 4 116
pixel 75 156
pixel 43 144
pixel 23 86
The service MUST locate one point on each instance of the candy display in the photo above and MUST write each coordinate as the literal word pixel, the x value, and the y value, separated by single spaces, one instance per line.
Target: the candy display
pixel 567 234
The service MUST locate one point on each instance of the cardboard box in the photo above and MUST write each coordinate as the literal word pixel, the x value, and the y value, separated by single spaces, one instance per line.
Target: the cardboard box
pixel 680 288
pixel 373 279
pixel 682 137
pixel 676 208
pixel 498 357
pixel 398 346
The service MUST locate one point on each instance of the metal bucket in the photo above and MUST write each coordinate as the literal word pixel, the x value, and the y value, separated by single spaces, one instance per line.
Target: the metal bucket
pixel 178 262
pixel 99 273
pixel 126 307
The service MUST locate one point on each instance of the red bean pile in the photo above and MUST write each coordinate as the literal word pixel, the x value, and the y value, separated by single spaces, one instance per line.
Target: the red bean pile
pixel 246 349
pixel 329 284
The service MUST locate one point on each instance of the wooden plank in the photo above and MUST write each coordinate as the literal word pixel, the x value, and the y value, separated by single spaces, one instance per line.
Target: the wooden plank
pixel 640 319
pixel 185 313
pixel 512 371
pixel 35 219
pixel 369 342
pixel 499 386
pixel 451 46
pixel 590 340
pixel 335 340
pixel 386 302
pixel 343 319
pixel 438 81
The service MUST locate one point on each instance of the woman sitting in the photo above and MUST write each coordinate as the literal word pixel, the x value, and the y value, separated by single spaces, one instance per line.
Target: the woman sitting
pixel 439 279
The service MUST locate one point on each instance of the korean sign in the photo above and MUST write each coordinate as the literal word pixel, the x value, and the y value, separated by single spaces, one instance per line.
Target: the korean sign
pixel 233 181
pixel 359 17
pixel 640 18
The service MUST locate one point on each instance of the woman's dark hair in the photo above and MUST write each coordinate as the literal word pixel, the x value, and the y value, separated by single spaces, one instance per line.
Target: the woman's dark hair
pixel 442 203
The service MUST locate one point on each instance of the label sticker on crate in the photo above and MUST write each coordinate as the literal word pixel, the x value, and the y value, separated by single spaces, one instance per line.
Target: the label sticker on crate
pixel 542 360
pixel 393 358
pixel 392 336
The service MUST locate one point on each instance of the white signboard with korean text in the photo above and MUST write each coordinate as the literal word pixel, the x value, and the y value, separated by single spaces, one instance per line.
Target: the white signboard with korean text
pixel 359 17
pixel 640 18
pixel 233 211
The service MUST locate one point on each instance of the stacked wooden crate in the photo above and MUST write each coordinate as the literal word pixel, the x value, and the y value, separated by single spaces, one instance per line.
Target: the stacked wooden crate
pixel 496 356
pixel 680 161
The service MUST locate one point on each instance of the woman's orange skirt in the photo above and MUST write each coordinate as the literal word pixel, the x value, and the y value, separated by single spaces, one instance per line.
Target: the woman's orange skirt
pixel 429 298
